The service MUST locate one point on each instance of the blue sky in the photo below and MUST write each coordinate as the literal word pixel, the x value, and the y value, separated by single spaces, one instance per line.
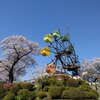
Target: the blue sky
pixel 35 18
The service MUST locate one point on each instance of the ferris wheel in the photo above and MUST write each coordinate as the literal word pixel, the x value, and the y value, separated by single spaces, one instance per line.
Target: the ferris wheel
pixel 64 55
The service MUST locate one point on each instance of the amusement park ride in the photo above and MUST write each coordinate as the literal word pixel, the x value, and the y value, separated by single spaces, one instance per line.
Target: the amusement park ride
pixel 65 59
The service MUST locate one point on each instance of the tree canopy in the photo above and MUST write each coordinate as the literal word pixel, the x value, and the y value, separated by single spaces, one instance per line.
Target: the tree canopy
pixel 91 69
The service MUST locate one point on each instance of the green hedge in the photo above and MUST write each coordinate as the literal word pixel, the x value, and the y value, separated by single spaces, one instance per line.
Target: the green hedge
pixel 55 91
pixel 9 96
pixel 41 94
pixel 24 94
pixel 49 87
pixel 22 85
pixel 79 94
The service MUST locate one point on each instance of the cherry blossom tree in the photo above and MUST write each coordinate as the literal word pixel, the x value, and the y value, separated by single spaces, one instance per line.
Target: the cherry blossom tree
pixel 91 69
pixel 18 52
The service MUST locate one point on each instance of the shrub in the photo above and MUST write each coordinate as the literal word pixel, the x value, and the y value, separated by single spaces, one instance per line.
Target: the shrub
pixel 77 94
pixel 33 95
pixel 26 85
pixel 60 83
pixel 48 81
pixel 2 91
pixel 72 82
pixel 24 94
pixel 41 94
pixel 92 94
pixel 46 88
pixel 15 88
pixel 72 93
pixel 22 85
pixel 81 82
pixel 7 85
pixel 52 80
pixel 1 84
pixel 42 82
pixel 9 96
pixel 56 91
pixel 85 87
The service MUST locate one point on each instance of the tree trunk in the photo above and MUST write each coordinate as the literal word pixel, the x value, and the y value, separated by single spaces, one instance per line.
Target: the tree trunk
pixel 11 76
pixel 11 72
